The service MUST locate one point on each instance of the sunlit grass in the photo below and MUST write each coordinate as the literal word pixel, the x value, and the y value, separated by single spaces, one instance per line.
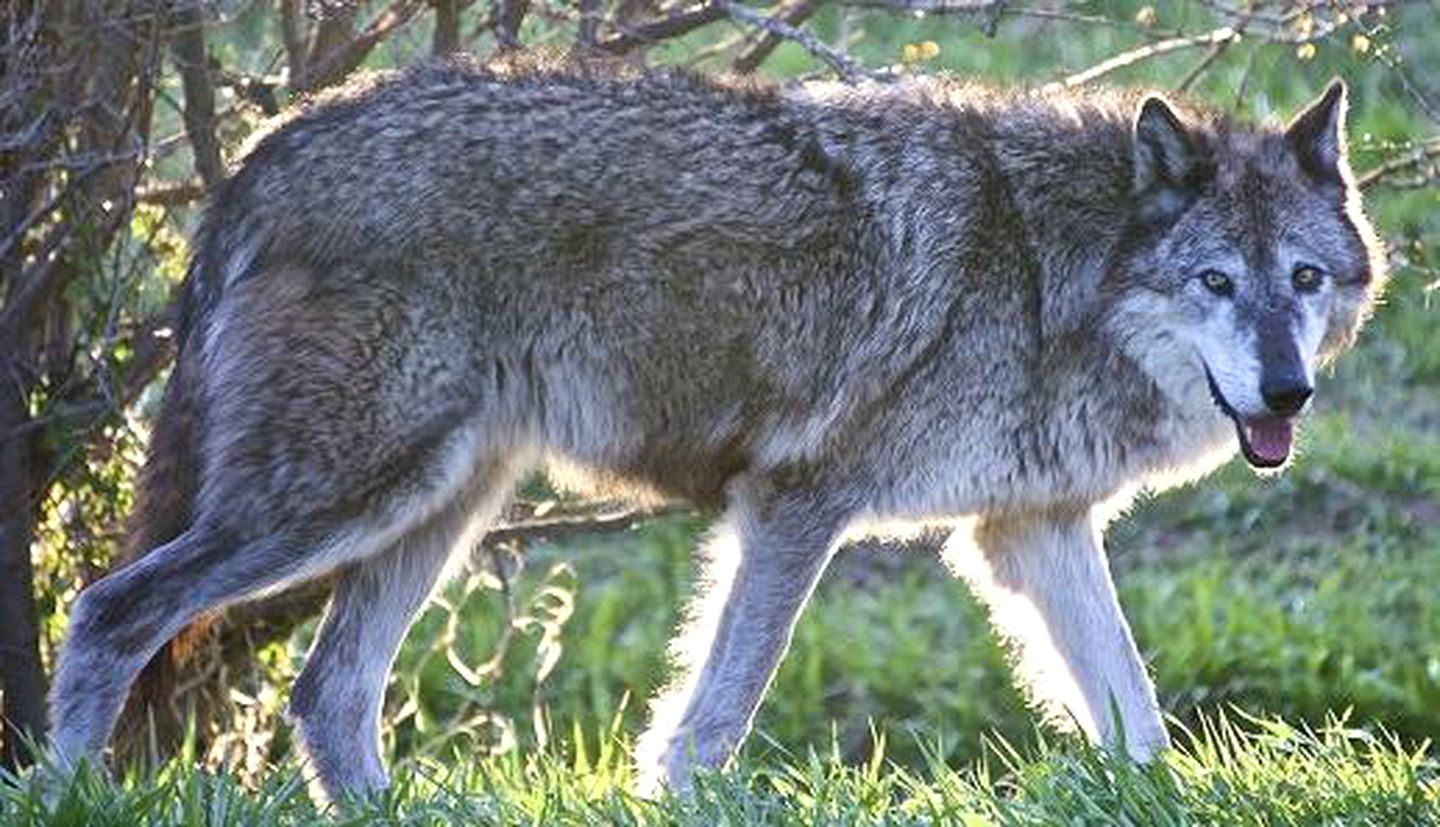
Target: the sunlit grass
pixel 1230 770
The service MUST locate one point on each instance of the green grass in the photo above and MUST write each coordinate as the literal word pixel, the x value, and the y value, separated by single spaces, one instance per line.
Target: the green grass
pixel 1247 773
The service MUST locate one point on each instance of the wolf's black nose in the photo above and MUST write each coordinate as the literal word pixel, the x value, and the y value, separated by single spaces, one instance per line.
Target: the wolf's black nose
pixel 1286 398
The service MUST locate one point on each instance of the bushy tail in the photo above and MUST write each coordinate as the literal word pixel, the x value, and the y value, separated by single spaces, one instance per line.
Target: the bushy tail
pixel 167 485
pixel 165 489
pixel 165 492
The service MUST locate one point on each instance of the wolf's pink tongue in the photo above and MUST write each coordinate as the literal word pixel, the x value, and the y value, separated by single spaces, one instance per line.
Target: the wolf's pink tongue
pixel 1270 438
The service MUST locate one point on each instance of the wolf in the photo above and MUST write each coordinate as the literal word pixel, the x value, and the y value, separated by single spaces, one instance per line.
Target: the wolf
pixel 811 307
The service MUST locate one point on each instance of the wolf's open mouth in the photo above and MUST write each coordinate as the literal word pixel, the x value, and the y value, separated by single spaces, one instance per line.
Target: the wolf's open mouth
pixel 1264 440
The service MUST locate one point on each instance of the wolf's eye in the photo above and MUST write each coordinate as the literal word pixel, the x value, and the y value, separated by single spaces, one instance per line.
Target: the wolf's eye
pixel 1217 282
pixel 1307 279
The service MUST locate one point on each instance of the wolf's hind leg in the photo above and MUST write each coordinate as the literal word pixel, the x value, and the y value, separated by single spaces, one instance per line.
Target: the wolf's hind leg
pixel 1048 587
pixel 763 562
pixel 338 696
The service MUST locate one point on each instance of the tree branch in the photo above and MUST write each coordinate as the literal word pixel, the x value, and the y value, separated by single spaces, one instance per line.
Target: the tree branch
pixel 1406 162
pixel 335 64
pixel 792 13
pixel 674 24
pixel 172 194
pixel 331 33
pixel 509 15
pixel 589 23
pixel 937 7
pixel 1147 52
pixel 292 32
pixel 447 27
pixel 192 62
pixel 830 56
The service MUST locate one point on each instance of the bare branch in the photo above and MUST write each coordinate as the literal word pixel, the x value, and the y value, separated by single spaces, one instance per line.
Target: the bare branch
pixel 36 283
pixel 18 232
pixel 992 12
pixel 1147 52
pixel 791 12
pixel 676 23
pixel 1405 163
pixel 292 31
pixel 1212 54
pixel 447 27
pixel 562 528
pixel 830 56
pixel 331 34
pixel 335 64
pixel 1198 70
pixel 509 14
pixel 176 194
pixel 589 23
pixel 937 7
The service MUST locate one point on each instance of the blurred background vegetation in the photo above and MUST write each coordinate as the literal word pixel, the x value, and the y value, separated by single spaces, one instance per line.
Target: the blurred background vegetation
pixel 1302 594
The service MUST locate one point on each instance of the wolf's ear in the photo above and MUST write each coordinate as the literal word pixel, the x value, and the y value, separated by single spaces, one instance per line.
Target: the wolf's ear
pixel 1166 160
pixel 1317 135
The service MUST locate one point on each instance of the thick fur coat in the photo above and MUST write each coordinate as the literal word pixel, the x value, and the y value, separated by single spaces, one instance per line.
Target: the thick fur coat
pixel 813 306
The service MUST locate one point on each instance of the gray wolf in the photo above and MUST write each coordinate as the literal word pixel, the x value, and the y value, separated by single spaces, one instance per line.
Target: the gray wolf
pixel 816 306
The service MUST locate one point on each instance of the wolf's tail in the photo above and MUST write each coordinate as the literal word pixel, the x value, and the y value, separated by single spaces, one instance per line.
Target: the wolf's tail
pixel 165 496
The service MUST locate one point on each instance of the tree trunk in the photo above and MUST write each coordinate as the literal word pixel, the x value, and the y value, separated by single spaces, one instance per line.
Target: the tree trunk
pixel 21 675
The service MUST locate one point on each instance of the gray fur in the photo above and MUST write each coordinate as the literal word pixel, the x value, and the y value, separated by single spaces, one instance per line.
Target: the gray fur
pixel 820 305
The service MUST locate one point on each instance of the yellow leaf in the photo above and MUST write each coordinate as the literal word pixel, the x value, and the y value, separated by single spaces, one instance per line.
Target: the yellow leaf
pixel 929 50
pixel 1305 51
pixel 1360 43
pixel 910 53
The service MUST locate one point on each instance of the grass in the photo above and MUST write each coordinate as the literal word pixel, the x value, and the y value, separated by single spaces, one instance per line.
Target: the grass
pixel 1232 771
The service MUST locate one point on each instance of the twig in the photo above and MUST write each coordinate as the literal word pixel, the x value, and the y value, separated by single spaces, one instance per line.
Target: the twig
pixel 994 10
pixel 674 24
pixel 1147 52
pixel 510 13
pixel 1414 158
pixel 562 528
pixel 937 7
pixel 835 59
pixel 292 31
pixel 589 23
pixel 338 63
pixel 1213 54
pixel 176 194
pixel 791 12
pixel 1244 85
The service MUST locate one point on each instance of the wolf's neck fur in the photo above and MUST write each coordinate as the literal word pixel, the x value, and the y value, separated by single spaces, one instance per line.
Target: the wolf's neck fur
pixel 1043 190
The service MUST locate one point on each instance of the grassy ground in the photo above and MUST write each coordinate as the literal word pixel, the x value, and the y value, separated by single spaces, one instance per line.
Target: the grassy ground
pixel 1259 772
pixel 1289 621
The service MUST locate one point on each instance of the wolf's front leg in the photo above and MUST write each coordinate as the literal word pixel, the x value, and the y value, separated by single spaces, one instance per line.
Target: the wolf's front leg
pixel 761 565
pixel 1047 583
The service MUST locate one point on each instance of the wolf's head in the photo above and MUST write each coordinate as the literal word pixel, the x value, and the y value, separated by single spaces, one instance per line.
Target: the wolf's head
pixel 1251 256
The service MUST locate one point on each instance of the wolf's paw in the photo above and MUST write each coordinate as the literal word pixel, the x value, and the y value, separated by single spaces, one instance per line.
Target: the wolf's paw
pixel 1147 745
pixel 669 761
pixel 53 778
